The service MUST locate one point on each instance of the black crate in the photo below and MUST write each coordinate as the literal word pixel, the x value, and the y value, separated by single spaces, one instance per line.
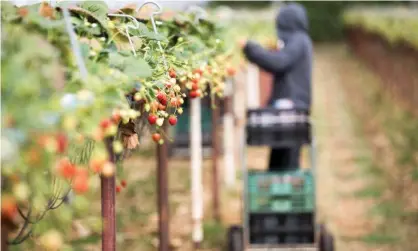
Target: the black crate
pixel 278 128
pixel 283 238
pixel 289 228
pixel 281 222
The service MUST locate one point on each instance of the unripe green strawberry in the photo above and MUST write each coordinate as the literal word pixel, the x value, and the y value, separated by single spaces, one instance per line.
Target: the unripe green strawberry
pixel 147 107
pixel 117 147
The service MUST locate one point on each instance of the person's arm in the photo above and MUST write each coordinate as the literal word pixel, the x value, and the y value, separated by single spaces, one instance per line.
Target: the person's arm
pixel 274 61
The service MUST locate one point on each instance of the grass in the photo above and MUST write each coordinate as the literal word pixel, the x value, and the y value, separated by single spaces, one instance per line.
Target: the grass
pixel 215 234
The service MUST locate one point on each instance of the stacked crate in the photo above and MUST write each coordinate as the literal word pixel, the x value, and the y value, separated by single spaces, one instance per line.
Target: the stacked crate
pixel 281 204
pixel 280 207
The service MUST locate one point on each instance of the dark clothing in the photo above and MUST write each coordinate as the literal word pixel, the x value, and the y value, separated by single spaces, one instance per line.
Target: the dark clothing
pixel 292 65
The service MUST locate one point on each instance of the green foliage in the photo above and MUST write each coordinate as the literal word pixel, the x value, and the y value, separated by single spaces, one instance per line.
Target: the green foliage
pixel 50 112
pixel 395 24
pixel 241 4
pixel 324 19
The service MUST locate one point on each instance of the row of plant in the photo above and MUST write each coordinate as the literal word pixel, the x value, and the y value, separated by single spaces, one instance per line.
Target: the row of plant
pixel 63 116
pixel 385 107
pixel 395 24
pixel 392 171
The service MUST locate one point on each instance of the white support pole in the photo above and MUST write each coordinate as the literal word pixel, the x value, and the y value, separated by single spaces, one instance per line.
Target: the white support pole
pixel 196 170
pixel 253 87
pixel 229 156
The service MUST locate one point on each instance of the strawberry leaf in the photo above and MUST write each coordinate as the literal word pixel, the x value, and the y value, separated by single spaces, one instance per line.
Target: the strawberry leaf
pixel 131 66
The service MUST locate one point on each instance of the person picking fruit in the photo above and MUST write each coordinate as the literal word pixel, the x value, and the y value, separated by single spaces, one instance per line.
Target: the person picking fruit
pixel 291 67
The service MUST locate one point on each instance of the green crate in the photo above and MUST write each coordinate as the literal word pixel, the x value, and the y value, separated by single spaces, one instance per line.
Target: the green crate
pixel 282 205
pixel 291 191
pixel 279 183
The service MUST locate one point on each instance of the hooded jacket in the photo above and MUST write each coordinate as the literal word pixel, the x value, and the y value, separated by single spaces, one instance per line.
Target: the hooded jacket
pixel 292 65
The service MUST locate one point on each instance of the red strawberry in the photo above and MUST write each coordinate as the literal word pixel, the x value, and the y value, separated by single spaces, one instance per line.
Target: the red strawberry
pixel 193 94
pixel 152 119
pixel 162 98
pixel 172 120
pixel 118 189
pixel 172 73
pixel 156 137
pixel 195 86
pixel 104 124
pixel 66 169
pixel 82 172
pixel 23 12
pixel 230 71
pixel 123 183
pixel 198 70
pixel 80 183
pixel 8 207
pixel 62 143
pixel 195 80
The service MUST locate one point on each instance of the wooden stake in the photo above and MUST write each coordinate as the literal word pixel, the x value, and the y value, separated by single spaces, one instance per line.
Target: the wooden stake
pixel 215 160
pixel 109 205
pixel 162 200
pixel 229 157
pixel 196 170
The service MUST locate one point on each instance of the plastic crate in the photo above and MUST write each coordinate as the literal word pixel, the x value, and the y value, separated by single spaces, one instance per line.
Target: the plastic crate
pixel 183 123
pixel 282 238
pixel 281 222
pixel 292 204
pixel 290 191
pixel 281 182
pixel 278 128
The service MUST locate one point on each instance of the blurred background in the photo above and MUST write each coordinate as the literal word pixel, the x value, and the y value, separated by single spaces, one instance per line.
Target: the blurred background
pixel 365 81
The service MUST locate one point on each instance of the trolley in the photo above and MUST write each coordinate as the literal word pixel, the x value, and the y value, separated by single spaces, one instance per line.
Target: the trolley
pixel 279 207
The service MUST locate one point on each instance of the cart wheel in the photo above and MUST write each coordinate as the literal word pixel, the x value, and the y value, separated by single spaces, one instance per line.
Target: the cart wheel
pixel 235 238
pixel 326 240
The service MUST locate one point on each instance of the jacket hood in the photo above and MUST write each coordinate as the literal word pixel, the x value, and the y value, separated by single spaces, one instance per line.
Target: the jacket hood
pixel 291 18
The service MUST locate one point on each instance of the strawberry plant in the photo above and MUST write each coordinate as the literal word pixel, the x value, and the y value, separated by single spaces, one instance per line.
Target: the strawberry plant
pixel 396 24
pixel 55 122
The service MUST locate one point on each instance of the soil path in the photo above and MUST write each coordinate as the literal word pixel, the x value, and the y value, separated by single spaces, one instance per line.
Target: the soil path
pixel 339 174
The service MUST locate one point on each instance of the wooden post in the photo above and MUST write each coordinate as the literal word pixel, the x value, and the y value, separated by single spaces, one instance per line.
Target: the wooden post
pixel 109 205
pixel 4 235
pixel 215 159
pixel 229 157
pixel 162 200
pixel 196 170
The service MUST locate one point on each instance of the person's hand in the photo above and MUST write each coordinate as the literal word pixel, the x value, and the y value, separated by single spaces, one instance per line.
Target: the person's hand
pixel 242 42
